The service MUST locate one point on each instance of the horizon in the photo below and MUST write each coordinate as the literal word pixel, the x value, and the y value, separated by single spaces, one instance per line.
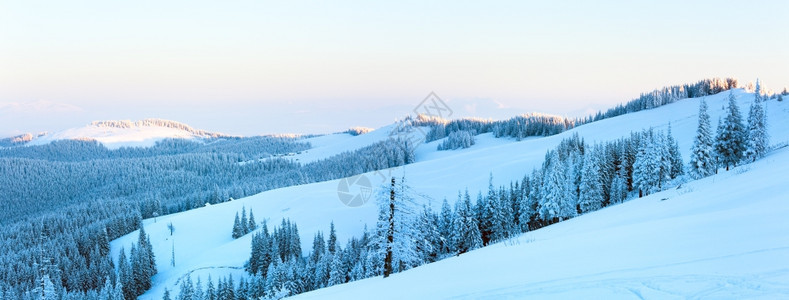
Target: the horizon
pixel 252 68
pixel 502 115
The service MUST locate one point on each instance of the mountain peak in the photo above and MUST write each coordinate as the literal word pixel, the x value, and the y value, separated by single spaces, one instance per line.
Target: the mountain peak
pixel 127 133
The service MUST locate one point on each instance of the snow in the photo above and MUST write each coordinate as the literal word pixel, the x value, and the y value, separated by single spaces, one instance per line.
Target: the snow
pixel 330 145
pixel 723 237
pixel 616 250
pixel 114 137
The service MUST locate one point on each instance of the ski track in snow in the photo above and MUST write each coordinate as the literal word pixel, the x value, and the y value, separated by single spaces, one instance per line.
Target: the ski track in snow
pixel 655 286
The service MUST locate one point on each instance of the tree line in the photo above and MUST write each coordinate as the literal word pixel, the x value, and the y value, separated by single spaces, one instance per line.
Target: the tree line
pixel 575 178
pixel 79 197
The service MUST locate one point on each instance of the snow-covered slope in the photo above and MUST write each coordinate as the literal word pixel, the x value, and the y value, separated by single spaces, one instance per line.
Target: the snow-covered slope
pixel 116 134
pixel 202 238
pixel 723 237
pixel 329 145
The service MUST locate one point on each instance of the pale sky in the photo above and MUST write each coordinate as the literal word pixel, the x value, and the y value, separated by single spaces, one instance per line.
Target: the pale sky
pixel 254 67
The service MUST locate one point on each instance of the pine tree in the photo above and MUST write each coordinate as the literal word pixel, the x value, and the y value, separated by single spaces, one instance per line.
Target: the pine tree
pixel 49 292
pixel 252 224
pixel 229 290
pixel 336 274
pixel 504 217
pixel 646 169
pixel 535 196
pixel 674 156
pixel 555 185
pixel 166 295
pixel 428 243
pixel 397 215
pixel 143 263
pixel 445 227
pixel 467 236
pixel 732 136
pixel 332 244
pixel 237 230
pixel 210 292
pixel 198 291
pixel 244 223
pixel 568 205
pixel 702 159
pixel 618 187
pixel 591 195
pixel 526 209
pixel 125 275
pixel 758 140
pixel 187 290
pixel 486 212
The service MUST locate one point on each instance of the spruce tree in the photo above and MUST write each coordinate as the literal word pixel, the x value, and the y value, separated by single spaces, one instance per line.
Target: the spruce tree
pixel 486 213
pixel 467 235
pixel 244 222
pixel 647 167
pixel 252 224
pixel 591 195
pixel 49 292
pixel 551 204
pixel 674 156
pixel 336 274
pixel 568 205
pixel 210 292
pixel 758 140
pixel 731 141
pixel 702 157
pixel 187 290
pixel 125 275
pixel 237 230
pixel 166 295
pixel 445 227
pixel 332 243
pixel 503 217
pixel 428 241
pixel 198 291
pixel 526 207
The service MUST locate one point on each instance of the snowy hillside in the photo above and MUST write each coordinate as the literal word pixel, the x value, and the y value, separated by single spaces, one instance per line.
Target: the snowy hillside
pixel 203 245
pixel 116 134
pixel 723 237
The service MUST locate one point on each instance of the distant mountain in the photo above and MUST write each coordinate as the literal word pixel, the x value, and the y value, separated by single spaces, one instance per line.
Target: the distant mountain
pixel 19 139
pixel 120 133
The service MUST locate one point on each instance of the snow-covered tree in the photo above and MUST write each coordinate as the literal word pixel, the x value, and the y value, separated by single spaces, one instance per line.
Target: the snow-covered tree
pixel 428 244
pixel 244 223
pixel 552 205
pixel 647 169
pixel 252 224
pixel 457 140
pixel 332 243
pixel 337 271
pixel 758 139
pixel 591 195
pixel 238 231
pixel 731 141
pixel 445 227
pixel 702 156
pixel 187 290
pixel 399 218
pixel 674 156
pixel 466 236
pixel 527 208
pixel 49 292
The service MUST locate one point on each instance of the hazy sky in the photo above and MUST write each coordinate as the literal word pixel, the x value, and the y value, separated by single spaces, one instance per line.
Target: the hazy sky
pixel 252 67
